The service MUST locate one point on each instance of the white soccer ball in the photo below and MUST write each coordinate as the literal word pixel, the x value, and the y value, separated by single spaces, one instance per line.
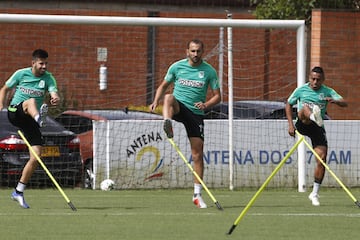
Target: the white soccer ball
pixel 107 185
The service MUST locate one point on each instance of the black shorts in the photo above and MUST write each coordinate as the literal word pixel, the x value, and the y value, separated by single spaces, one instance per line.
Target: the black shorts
pixel 194 123
pixel 314 132
pixel 29 127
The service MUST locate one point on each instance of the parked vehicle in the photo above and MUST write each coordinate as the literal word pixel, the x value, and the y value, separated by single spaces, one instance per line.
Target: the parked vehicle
pixel 60 154
pixel 80 122
pixel 251 109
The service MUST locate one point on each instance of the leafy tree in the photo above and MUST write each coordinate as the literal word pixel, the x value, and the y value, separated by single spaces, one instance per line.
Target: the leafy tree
pixel 297 9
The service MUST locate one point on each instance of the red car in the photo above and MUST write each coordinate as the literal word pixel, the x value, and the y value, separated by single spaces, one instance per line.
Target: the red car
pixel 80 122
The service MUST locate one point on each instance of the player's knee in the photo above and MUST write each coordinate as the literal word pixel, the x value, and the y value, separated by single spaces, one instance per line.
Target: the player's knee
pixel 169 98
pixel 29 102
pixel 197 156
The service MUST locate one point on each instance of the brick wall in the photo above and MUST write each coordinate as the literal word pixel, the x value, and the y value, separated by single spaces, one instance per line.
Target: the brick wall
pixel 335 40
pixel 264 65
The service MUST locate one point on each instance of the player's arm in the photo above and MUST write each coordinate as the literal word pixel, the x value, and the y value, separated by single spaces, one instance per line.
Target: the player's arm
pixel 215 90
pixel 53 90
pixel 54 98
pixel 159 94
pixel 288 112
pixel 340 102
pixel 215 99
pixel 3 92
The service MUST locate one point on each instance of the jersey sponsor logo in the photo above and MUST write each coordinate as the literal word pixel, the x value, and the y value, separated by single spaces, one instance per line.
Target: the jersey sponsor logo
pixel 311 105
pixel 191 83
pixel 31 92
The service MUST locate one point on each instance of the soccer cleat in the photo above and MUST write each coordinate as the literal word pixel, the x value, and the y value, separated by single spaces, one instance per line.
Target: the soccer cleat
pixel 317 115
pixel 168 128
pixel 19 197
pixel 43 113
pixel 198 201
pixel 314 198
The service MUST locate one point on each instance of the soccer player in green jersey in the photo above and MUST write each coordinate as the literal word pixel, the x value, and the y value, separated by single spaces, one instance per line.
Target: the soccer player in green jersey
pixel 191 77
pixel 313 98
pixel 27 111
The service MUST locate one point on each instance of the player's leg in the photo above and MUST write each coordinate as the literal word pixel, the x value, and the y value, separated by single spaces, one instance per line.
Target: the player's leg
pixel 30 108
pixel 194 125
pixel 30 166
pixel 170 108
pixel 319 141
pixel 197 146
pixel 32 132
pixel 28 170
pixel 26 174
pixel 304 115
pixel 308 114
pixel 319 174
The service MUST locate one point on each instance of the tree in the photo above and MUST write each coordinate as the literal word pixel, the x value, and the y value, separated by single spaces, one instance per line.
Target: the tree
pixel 296 9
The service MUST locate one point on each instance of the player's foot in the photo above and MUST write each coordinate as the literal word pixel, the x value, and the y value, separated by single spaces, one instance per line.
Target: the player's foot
pixel 43 113
pixel 168 128
pixel 198 201
pixel 317 115
pixel 19 197
pixel 314 198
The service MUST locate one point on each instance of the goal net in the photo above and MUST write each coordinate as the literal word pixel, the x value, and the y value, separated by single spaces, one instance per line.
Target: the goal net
pixel 116 63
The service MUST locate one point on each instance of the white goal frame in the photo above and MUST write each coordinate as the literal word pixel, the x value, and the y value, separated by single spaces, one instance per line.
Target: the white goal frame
pixel 298 25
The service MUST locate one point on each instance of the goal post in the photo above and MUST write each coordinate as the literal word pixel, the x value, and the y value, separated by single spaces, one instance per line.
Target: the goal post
pixel 296 25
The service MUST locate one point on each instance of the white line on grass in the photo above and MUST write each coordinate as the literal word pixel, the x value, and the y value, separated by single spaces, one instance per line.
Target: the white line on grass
pixel 79 213
pixel 83 213
pixel 356 215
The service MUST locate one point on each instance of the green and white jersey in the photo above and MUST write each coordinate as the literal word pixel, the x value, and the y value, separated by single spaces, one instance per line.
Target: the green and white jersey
pixel 29 86
pixel 306 95
pixel 191 83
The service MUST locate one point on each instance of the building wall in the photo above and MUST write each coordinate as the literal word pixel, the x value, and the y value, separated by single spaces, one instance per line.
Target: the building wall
pixel 264 61
pixel 335 46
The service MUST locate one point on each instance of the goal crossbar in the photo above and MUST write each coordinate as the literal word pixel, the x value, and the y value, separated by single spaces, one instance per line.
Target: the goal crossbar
pixel 146 21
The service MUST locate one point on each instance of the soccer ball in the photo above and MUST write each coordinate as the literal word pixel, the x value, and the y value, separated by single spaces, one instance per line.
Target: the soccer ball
pixel 107 185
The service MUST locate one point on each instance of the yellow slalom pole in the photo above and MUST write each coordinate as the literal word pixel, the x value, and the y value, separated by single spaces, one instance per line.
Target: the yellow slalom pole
pixel 330 171
pixel 195 174
pixel 47 171
pixel 251 202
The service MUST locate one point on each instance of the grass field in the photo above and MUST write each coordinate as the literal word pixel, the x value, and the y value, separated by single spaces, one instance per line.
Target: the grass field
pixel 170 214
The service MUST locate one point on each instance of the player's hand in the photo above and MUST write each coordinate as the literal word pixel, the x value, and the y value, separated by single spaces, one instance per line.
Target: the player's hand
pixel 291 131
pixel 330 100
pixel 152 107
pixel 200 105
pixel 54 101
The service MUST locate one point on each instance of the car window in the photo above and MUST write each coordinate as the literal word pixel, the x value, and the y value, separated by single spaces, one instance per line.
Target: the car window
pixel 249 110
pixel 122 115
pixel 74 123
pixel 50 127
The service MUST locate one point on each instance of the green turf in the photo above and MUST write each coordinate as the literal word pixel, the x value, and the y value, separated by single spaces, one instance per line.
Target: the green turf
pixel 170 214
